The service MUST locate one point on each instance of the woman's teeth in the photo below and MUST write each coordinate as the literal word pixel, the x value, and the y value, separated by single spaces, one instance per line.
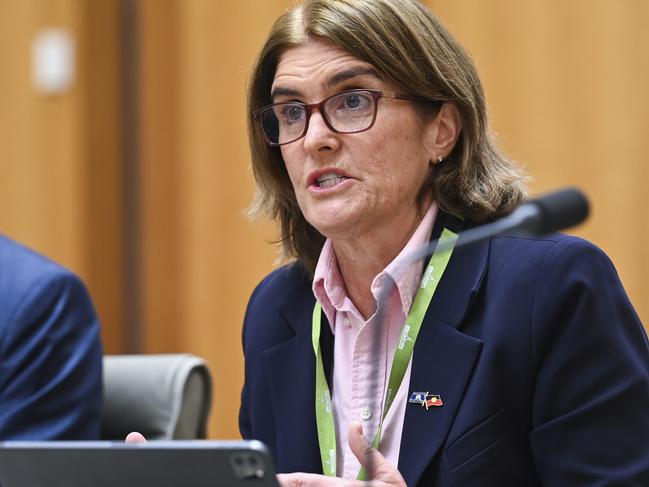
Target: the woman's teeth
pixel 330 180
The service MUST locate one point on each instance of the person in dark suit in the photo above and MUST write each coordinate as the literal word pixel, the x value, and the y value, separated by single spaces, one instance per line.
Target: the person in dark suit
pixel 50 351
pixel 510 362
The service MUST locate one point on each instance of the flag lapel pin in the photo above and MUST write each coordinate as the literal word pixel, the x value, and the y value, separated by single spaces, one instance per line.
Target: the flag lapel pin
pixel 433 400
pixel 417 397
pixel 426 399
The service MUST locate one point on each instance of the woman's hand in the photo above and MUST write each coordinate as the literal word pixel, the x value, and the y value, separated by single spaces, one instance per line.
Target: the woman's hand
pixel 382 473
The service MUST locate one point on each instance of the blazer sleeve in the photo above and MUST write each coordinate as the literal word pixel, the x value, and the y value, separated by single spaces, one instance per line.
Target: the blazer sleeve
pixel 591 402
pixel 51 363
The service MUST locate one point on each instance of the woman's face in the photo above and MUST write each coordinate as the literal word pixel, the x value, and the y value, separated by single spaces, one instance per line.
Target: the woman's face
pixel 375 176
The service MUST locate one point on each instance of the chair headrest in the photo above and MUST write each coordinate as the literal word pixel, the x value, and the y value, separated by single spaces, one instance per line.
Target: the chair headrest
pixel 161 396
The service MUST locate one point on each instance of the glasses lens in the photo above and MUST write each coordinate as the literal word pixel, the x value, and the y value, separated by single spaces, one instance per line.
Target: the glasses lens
pixel 352 111
pixel 283 122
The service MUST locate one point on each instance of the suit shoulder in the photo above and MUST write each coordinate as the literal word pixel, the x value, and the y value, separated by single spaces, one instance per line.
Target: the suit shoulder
pixel 541 242
pixel 23 263
pixel 550 251
pixel 571 283
pixel 552 270
pixel 283 294
pixel 289 280
pixel 26 275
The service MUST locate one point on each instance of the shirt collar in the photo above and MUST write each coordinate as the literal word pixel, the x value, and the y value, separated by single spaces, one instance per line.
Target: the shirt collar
pixel 407 277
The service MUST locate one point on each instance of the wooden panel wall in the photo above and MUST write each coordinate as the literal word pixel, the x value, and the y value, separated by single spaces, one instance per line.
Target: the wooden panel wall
pixel 59 154
pixel 201 255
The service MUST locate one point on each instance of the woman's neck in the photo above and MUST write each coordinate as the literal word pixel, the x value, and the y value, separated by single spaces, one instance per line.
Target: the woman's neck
pixel 362 258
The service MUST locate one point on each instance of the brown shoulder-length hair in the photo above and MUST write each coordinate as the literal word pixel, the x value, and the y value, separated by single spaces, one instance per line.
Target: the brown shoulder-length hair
pixel 411 48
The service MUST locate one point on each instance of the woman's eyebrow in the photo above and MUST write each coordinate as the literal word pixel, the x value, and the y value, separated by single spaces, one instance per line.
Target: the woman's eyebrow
pixel 281 91
pixel 351 73
pixel 331 82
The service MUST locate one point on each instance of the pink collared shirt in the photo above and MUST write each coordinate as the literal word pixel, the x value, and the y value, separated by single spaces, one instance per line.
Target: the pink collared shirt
pixel 360 376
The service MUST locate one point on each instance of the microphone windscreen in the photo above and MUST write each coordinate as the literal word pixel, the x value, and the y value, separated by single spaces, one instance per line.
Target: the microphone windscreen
pixel 561 209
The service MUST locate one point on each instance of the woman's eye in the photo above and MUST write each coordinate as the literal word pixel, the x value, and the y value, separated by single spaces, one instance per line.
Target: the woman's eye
pixel 352 101
pixel 294 113
pixel 291 113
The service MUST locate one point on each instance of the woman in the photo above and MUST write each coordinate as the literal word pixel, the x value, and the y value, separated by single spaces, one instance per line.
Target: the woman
pixel 523 363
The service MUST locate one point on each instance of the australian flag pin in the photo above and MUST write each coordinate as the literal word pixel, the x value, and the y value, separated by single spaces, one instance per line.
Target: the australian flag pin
pixel 426 399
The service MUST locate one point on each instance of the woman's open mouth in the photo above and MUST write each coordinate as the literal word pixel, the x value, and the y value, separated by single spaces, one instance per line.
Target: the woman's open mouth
pixel 329 180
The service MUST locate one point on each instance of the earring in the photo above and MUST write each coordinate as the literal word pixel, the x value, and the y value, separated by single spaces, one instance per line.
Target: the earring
pixel 440 159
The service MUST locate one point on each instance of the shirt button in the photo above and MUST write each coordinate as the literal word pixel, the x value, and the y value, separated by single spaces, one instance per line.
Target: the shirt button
pixel 365 413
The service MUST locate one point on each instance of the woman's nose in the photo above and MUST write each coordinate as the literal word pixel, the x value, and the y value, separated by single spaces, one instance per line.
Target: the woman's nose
pixel 319 137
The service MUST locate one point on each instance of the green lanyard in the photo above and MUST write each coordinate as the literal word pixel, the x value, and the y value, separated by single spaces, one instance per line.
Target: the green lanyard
pixel 402 355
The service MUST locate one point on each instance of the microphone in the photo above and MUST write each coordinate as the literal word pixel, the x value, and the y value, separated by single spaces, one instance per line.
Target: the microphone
pixel 549 213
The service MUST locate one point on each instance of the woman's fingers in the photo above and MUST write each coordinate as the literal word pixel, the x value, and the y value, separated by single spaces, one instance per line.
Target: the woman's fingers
pixel 379 470
pixel 135 437
pixel 367 456
pixel 376 466
pixel 308 480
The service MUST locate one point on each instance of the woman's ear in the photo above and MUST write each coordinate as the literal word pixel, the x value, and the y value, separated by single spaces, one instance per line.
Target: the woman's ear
pixel 444 130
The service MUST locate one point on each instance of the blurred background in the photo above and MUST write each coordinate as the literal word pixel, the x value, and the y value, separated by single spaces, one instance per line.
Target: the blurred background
pixel 123 150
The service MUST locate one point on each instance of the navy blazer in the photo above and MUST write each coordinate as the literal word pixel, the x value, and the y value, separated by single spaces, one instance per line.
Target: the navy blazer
pixel 50 351
pixel 541 362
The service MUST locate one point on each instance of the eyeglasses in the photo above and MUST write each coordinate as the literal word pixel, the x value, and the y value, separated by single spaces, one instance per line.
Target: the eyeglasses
pixel 348 112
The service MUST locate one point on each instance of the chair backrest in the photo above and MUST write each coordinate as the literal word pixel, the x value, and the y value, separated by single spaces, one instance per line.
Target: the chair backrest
pixel 161 396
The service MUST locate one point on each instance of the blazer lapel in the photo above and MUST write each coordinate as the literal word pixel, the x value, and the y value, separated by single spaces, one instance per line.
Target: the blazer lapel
pixel 290 374
pixel 443 359
pixel 441 367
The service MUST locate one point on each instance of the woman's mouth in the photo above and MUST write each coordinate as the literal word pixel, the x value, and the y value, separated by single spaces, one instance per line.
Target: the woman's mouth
pixel 329 180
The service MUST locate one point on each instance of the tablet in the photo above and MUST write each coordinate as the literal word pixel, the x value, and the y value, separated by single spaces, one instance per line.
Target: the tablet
pixel 152 464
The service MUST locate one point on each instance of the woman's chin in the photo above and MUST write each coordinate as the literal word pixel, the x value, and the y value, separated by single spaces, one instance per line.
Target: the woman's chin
pixel 336 224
